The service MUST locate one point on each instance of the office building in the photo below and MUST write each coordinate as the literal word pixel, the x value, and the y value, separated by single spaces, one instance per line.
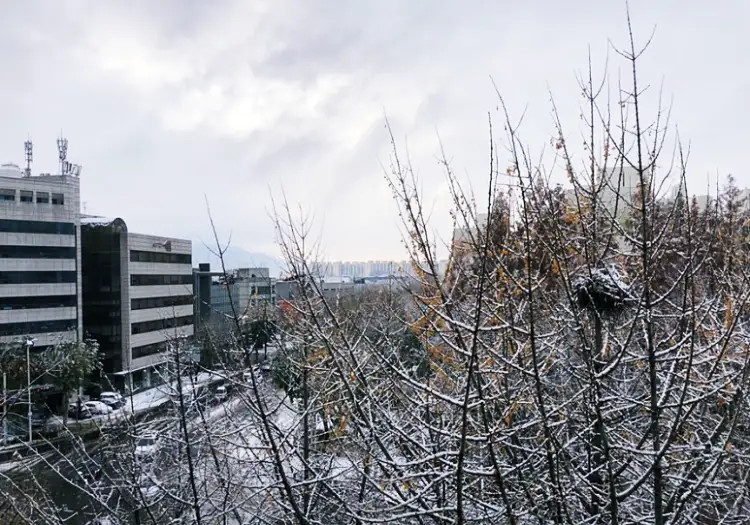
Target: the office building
pixel 249 288
pixel 137 298
pixel 40 255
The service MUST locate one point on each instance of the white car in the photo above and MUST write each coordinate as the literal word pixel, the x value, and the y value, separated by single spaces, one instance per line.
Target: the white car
pixel 112 399
pixel 98 408
pixel 149 486
pixel 247 376
pixel 146 446
pixel 221 393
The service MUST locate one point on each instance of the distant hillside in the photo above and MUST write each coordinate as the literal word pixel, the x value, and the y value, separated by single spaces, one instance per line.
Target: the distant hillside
pixel 236 258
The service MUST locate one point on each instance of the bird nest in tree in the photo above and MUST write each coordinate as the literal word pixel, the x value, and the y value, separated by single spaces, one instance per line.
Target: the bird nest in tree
pixel 602 290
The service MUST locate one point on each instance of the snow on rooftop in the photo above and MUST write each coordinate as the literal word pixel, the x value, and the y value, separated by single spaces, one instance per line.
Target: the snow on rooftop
pixel 93 220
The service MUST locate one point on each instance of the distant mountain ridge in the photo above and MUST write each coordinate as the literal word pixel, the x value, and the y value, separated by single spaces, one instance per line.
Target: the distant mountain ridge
pixel 236 258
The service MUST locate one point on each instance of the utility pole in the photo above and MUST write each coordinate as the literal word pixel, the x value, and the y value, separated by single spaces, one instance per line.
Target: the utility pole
pixel 5 408
pixel 29 344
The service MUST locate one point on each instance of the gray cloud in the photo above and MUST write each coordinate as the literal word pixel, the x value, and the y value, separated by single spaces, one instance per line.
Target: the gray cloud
pixel 165 103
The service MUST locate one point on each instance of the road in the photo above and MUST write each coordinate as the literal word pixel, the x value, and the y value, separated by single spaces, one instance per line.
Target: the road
pixel 73 480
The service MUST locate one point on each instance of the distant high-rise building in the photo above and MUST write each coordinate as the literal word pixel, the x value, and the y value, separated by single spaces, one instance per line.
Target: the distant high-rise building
pixel 363 269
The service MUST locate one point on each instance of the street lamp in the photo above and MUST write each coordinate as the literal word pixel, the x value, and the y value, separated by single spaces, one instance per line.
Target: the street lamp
pixel 29 344
pixel 5 408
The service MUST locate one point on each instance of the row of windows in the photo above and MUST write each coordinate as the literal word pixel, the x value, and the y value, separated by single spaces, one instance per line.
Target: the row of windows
pixel 143 351
pixel 42 197
pixel 37 277
pixel 160 280
pixel 161 324
pixel 38 301
pixel 37 252
pixel 37 327
pixel 160 257
pixel 55 228
pixel 160 302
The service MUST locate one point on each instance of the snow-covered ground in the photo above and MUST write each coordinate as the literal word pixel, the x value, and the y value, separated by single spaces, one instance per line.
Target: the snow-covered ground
pixel 138 403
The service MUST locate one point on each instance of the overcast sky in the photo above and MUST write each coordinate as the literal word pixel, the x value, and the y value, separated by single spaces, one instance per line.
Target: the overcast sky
pixel 168 102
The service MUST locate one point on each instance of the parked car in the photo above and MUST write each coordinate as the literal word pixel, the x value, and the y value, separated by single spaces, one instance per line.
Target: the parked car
pixel 16 432
pixel 146 446
pixel 98 408
pixel 221 393
pixel 148 486
pixel 92 472
pixel 112 399
pixel 247 376
pixel 73 411
pixel 104 520
pixel 40 417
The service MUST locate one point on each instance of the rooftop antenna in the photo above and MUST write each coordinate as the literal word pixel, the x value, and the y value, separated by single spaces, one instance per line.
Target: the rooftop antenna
pixel 28 148
pixel 62 153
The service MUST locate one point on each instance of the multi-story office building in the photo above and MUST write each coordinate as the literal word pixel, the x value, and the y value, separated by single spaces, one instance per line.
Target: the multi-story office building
pixel 249 288
pixel 137 298
pixel 40 254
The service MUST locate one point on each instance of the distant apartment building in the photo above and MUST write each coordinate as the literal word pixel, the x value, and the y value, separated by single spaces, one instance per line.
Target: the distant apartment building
pixel 137 298
pixel 361 269
pixel 40 255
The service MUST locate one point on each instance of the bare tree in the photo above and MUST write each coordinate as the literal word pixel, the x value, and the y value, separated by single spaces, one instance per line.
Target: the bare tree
pixel 582 360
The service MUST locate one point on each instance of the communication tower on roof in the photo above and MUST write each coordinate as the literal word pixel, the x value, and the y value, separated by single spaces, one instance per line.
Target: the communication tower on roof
pixel 28 148
pixel 62 153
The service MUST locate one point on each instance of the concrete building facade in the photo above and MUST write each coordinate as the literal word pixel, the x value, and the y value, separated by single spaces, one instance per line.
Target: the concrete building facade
pixel 40 257
pixel 137 298
pixel 249 288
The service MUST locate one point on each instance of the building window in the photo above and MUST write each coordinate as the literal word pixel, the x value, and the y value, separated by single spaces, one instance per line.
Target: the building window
pixel 160 257
pixel 146 350
pixel 7 194
pixel 38 327
pixel 160 280
pixel 58 198
pixel 42 197
pixel 160 302
pixel 37 252
pixel 161 324
pixel 39 301
pixel 37 277
pixel 27 196
pixel 54 228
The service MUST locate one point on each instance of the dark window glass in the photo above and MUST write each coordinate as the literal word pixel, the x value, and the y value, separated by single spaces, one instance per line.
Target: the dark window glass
pixel 160 302
pixel 261 290
pixel 38 327
pixel 27 196
pixel 101 290
pixel 37 277
pixel 58 198
pixel 160 257
pixel 161 324
pixel 59 228
pixel 143 351
pixel 38 301
pixel 42 197
pixel 37 252
pixel 7 194
pixel 160 280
